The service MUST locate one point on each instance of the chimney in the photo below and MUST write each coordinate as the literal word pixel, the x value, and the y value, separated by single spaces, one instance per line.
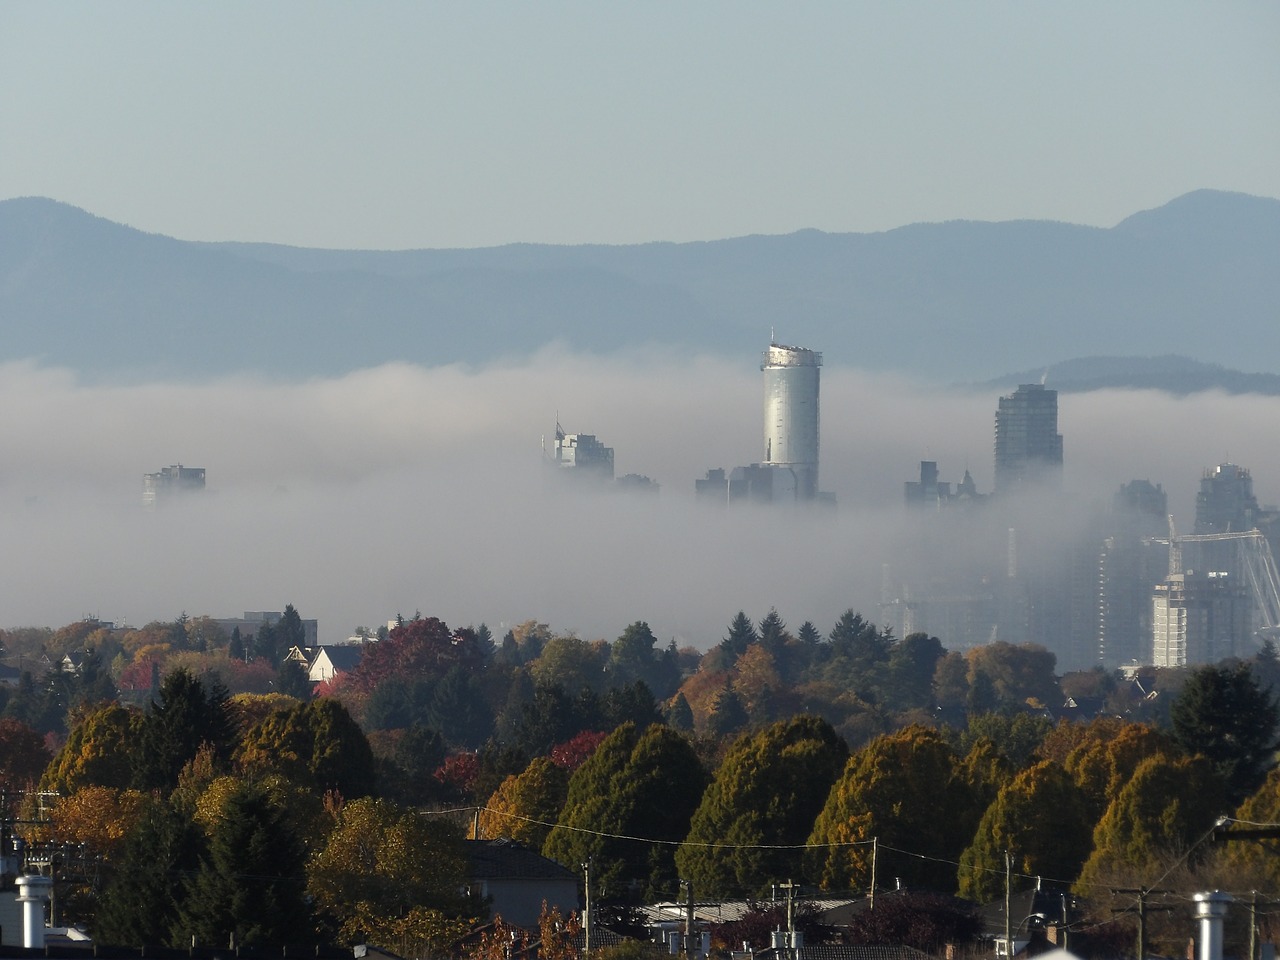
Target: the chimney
pixel 33 891
pixel 1210 909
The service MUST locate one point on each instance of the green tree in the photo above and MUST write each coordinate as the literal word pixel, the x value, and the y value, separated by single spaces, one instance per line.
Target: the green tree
pixel 634 785
pixel 911 668
pixel 892 790
pixel 292 681
pixel 140 900
pixel 679 715
pixel 183 716
pixel 250 886
pixel 728 714
pixel 1223 714
pixel 769 790
pixel 459 710
pixel 1041 821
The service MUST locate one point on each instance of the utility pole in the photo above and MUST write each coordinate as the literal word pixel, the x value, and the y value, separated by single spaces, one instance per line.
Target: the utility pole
pixel 1008 897
pixel 688 919
pixel 791 917
pixel 1142 893
pixel 875 844
pixel 586 909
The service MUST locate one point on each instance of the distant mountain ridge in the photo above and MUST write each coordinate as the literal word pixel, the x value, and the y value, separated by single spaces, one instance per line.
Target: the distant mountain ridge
pixel 954 302
pixel 1180 376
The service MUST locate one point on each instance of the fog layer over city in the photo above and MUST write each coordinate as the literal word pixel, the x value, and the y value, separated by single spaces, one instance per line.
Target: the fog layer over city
pixel 405 488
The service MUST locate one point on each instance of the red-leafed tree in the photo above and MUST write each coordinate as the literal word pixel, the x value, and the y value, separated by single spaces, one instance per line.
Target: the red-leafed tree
pixel 417 649
pixel 23 755
pixel 573 753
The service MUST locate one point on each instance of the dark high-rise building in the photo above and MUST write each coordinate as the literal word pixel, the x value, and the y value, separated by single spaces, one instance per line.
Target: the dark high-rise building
pixel 1225 503
pixel 1028 445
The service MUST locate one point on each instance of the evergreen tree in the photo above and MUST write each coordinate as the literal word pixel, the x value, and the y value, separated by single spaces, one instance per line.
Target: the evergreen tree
pixel 634 785
pixel 250 888
pixel 140 901
pixel 291 680
pixel 765 796
pixel 236 649
pixel 183 716
pixel 1223 714
pixel 459 710
pixel 892 789
pixel 679 715
pixel 728 714
pixel 1041 820
pixel 289 633
pixel 315 744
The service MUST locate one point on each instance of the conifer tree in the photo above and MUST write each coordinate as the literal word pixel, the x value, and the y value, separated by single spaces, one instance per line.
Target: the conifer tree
pixel 767 793
pixel 250 886
pixel 635 785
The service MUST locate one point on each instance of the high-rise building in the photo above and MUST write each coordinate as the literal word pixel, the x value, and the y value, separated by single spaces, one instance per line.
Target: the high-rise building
pixel 1028 445
pixel 1225 503
pixel 791 414
pixel 158 487
pixel 583 454
pixel 1198 618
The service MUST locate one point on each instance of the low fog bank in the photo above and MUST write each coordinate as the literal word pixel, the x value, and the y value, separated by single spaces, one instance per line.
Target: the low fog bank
pixel 404 488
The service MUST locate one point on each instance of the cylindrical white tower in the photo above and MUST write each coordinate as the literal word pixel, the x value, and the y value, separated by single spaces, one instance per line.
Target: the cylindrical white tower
pixel 33 894
pixel 791 413
pixel 1210 909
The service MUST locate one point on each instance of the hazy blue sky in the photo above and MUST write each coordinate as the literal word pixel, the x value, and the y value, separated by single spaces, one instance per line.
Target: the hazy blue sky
pixel 414 124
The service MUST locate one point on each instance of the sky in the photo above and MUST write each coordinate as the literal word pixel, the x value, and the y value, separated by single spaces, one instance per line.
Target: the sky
pixel 401 125
pixel 398 125
pixel 403 488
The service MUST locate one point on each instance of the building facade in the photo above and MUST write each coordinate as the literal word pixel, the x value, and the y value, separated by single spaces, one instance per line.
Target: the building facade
pixel 791 429
pixel 170 481
pixel 1198 618
pixel 1028 445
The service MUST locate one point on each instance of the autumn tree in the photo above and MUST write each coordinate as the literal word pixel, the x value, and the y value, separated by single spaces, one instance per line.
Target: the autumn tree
pixel 424 648
pixel 23 755
pixel 1017 675
pixel 1157 818
pixel 391 872
pixel 1251 863
pixel 526 805
pixel 768 791
pixel 636 784
pixel 892 790
pixel 315 743
pixel 1223 714
pixel 1104 763
pixel 1040 821
pixel 101 818
pixel 98 751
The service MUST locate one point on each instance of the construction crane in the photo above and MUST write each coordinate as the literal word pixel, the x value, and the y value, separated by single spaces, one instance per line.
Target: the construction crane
pixel 1254 559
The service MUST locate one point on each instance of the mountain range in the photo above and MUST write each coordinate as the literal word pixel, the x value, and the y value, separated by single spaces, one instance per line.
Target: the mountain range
pixel 953 302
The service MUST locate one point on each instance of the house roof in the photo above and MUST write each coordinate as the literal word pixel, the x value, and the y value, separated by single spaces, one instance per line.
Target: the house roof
pixel 504 859
pixel 343 657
